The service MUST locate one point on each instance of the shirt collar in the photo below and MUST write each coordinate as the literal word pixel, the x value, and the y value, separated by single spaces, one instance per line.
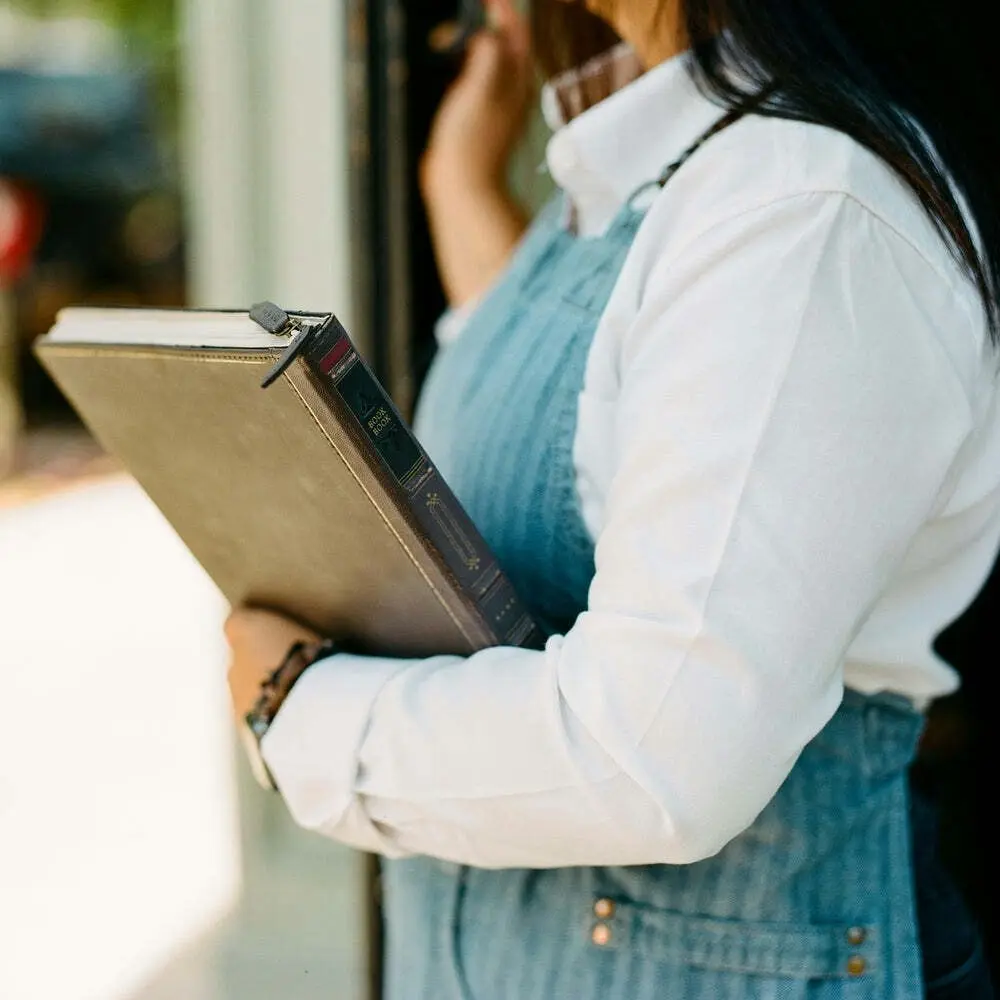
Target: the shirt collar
pixel 568 95
pixel 602 154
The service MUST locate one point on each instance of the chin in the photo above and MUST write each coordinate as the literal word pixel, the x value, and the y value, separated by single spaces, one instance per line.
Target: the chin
pixel 602 8
pixel 611 12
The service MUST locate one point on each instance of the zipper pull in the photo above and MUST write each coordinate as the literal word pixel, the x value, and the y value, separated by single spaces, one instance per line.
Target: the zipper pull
pixel 274 319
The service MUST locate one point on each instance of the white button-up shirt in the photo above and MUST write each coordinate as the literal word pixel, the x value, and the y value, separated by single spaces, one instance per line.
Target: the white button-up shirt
pixel 788 455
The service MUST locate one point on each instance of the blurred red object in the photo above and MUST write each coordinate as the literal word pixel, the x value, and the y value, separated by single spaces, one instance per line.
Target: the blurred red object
pixel 22 221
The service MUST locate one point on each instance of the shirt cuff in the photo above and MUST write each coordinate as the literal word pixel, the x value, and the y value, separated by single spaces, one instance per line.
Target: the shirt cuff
pixel 312 747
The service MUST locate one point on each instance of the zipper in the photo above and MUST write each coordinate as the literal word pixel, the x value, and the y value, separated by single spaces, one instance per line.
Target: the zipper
pixel 276 321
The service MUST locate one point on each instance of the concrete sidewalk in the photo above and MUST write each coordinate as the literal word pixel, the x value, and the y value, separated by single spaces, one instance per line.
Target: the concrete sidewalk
pixel 124 874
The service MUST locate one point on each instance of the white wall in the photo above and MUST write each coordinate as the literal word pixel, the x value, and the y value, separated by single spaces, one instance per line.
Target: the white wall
pixel 266 164
pixel 266 154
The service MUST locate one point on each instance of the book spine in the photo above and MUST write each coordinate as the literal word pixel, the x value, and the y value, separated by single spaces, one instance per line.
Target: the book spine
pixel 333 359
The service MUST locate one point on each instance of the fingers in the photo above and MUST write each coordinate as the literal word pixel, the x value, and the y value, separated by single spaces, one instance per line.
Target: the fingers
pixel 492 55
pixel 508 22
pixel 243 623
pixel 484 57
pixel 251 627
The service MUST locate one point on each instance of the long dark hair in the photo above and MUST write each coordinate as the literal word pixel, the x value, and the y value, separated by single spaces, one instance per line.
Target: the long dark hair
pixel 880 71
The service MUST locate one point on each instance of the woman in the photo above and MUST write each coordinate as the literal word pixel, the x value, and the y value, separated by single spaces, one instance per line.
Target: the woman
pixel 728 414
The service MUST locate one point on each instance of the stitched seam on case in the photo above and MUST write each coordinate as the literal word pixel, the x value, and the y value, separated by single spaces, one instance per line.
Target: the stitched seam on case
pixel 110 350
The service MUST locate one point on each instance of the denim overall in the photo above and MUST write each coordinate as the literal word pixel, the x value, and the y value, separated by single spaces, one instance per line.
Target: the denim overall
pixel 814 901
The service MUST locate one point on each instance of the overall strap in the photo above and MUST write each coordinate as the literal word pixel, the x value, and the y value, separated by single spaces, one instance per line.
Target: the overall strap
pixel 668 172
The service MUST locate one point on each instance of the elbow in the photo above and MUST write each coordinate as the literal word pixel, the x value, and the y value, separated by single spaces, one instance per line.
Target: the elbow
pixel 698 842
pixel 675 829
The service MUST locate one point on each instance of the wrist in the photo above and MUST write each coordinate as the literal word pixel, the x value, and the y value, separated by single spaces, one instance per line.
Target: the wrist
pixel 274 690
pixel 445 178
pixel 474 236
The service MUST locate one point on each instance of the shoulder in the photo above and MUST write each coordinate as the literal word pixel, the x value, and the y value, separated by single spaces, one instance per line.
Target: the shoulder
pixel 759 162
pixel 777 183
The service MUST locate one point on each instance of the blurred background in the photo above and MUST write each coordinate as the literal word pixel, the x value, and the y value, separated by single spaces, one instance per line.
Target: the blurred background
pixel 180 153
pixel 214 153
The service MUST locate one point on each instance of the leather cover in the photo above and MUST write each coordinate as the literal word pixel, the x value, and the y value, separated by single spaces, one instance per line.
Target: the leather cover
pixel 273 492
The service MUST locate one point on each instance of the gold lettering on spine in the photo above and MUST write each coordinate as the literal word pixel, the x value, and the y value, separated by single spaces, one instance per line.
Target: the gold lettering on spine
pixel 379 420
pixel 499 616
pixel 452 530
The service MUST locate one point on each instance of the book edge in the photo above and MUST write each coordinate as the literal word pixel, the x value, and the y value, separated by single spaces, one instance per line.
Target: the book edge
pixel 422 555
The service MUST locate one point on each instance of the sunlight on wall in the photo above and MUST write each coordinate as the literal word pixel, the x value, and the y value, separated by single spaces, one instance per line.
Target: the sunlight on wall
pixel 118 814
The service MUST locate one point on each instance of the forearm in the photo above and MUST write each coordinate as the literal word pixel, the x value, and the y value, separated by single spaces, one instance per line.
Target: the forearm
pixel 751 524
pixel 475 226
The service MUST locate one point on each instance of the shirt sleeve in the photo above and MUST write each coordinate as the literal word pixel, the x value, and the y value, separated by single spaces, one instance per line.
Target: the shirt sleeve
pixel 787 417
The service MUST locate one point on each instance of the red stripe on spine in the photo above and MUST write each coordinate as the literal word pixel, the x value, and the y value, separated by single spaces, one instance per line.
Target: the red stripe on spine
pixel 335 356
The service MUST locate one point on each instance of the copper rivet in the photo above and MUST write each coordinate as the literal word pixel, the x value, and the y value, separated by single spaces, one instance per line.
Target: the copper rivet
pixel 856 965
pixel 604 909
pixel 601 935
pixel 857 935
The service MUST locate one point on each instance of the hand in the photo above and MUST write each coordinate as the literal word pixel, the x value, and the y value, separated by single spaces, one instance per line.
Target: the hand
pixel 259 641
pixel 475 222
pixel 483 115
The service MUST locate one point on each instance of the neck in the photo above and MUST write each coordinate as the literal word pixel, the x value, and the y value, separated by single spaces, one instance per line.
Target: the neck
pixel 654 56
pixel 659 41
